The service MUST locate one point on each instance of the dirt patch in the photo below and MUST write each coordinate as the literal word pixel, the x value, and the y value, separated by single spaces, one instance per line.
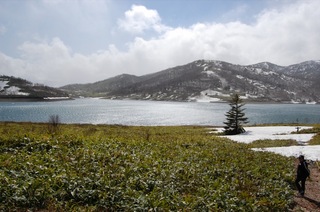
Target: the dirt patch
pixel 311 200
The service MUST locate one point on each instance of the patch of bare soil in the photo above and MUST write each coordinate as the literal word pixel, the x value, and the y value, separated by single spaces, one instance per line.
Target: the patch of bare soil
pixel 311 200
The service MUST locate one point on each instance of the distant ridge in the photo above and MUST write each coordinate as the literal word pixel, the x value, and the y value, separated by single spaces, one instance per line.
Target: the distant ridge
pixel 210 80
pixel 17 89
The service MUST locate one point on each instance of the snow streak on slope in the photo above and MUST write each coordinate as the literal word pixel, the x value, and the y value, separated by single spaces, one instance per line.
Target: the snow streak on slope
pixel 5 89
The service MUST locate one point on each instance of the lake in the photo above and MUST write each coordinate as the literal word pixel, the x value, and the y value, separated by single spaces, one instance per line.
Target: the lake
pixel 152 113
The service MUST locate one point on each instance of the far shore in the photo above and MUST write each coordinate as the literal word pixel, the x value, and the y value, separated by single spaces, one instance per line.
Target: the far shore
pixel 33 99
pixel 50 99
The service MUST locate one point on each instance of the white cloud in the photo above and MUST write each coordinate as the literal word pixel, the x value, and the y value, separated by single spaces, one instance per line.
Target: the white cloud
pixel 12 67
pixel 34 52
pixel 139 19
pixel 285 36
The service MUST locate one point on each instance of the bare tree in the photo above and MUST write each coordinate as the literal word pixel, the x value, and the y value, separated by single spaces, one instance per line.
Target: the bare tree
pixel 53 123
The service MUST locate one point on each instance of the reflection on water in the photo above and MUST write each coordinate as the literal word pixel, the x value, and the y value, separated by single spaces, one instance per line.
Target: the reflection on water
pixel 130 112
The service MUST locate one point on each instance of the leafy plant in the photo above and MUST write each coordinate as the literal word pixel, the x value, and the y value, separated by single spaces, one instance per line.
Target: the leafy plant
pixel 120 168
pixel 316 139
pixel 272 143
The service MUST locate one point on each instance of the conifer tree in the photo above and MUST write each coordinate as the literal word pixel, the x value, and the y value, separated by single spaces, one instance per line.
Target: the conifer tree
pixel 235 117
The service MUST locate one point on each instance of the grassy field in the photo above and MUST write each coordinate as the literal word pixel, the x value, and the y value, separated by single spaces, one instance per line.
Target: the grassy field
pixel 316 139
pixel 120 168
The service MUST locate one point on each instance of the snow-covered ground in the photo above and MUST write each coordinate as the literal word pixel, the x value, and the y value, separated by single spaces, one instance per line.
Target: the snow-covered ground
pixel 11 90
pixel 276 133
pixel 207 96
pixel 309 152
pixel 273 133
pixel 3 84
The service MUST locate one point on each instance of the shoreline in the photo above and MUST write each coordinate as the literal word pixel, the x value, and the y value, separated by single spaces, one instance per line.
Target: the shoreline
pixel 33 99
pixel 245 101
pixel 50 99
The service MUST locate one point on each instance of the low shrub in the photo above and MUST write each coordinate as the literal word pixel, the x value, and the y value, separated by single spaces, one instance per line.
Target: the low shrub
pixel 265 143
pixel 119 168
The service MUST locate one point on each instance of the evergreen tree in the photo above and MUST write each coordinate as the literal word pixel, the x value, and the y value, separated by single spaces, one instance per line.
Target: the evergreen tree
pixel 235 117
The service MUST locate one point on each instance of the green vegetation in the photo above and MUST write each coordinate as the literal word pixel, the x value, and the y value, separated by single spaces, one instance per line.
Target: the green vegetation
pixel 265 143
pixel 316 139
pixel 235 116
pixel 119 168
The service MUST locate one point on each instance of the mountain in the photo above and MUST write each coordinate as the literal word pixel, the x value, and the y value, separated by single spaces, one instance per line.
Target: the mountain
pixel 19 89
pixel 102 87
pixel 210 80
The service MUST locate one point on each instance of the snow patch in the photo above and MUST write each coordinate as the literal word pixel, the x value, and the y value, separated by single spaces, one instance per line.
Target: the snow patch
pixel 273 133
pixel 268 73
pixel 208 96
pixel 294 102
pixel 56 98
pixel 213 93
pixel 209 73
pixel 3 84
pixel 311 103
pixel 13 90
pixel 277 133
pixel 250 96
pixel 309 152
pixel 258 70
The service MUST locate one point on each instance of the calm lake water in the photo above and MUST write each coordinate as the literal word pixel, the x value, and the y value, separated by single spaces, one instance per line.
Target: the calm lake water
pixel 152 113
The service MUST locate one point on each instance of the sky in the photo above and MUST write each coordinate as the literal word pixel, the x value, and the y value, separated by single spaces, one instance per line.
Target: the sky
pixel 60 42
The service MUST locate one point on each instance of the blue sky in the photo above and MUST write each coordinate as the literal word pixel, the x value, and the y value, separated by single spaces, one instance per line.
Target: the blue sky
pixel 59 42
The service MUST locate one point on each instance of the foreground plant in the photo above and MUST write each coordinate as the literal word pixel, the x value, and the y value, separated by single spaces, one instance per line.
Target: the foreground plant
pixel 116 168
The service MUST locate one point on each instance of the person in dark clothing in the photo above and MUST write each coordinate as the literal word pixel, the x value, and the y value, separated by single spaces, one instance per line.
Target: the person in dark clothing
pixel 302 174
